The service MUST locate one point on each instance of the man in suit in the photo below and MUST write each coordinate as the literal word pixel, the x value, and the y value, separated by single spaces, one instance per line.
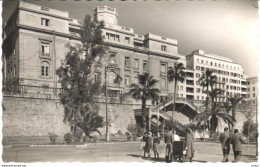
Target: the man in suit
pixel 236 140
pixel 168 139
pixel 225 144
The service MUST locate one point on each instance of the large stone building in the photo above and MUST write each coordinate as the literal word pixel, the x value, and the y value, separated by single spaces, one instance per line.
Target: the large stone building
pixel 252 89
pixel 34 46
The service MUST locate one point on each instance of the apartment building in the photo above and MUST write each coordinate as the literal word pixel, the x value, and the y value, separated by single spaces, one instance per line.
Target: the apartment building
pixel 252 88
pixel 230 75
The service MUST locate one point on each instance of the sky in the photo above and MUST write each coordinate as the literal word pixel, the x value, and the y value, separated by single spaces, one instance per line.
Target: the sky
pixel 226 28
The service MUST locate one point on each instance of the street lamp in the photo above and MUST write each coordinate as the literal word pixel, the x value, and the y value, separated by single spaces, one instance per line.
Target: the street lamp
pixel 118 79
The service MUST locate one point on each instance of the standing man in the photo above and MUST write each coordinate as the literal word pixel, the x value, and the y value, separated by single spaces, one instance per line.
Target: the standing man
pixel 225 144
pixel 236 140
pixel 168 139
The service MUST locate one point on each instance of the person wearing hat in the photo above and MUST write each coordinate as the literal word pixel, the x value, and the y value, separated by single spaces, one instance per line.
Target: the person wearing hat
pixel 236 140
pixel 168 139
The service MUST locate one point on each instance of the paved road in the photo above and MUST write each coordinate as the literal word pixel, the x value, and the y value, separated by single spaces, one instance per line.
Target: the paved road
pixel 121 152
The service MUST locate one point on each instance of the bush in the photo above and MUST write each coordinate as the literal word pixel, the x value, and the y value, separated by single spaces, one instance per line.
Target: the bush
pixel 135 130
pixel 68 138
pixel 89 139
pixel 52 137
pixel 249 129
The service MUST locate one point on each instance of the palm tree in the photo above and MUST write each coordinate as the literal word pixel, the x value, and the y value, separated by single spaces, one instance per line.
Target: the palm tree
pixel 208 80
pixel 143 91
pixel 175 74
pixel 234 100
pixel 215 112
pixel 227 108
pixel 213 94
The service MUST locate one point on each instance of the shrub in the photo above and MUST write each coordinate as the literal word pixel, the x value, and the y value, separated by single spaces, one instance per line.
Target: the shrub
pixel 89 139
pixel 68 138
pixel 249 129
pixel 52 137
pixel 135 130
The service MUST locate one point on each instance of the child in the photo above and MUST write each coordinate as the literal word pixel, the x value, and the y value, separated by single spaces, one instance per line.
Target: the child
pixel 156 142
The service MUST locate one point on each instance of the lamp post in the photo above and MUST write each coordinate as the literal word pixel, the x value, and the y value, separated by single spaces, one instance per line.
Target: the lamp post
pixel 120 79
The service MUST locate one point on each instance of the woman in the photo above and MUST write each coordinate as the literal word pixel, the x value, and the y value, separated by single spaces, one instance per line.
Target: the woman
pixel 189 145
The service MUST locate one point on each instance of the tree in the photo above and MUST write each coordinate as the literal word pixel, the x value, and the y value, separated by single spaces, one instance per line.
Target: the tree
pixel 80 91
pixel 144 90
pixel 213 94
pixel 214 113
pixel 234 100
pixel 176 74
pixel 227 108
pixel 208 80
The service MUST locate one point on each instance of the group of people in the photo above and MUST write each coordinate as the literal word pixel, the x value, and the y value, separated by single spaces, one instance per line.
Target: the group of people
pixel 234 139
pixel 151 141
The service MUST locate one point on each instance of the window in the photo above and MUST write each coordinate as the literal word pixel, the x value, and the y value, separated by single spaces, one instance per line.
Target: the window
pixel 45 22
pixel 112 37
pixel 227 87
pixel 207 62
pixel 216 64
pixel 44 69
pixel 136 64
pixel 163 84
pixel 197 67
pixel 181 95
pixel 136 80
pixel 112 59
pixel 198 97
pixel 14 71
pixel 202 69
pixel 198 90
pixel 127 80
pixel 145 66
pixel 253 88
pixel 226 66
pixel 219 65
pixel 202 61
pixel 197 61
pixel 45 48
pixel 181 88
pixel 97 77
pixel 127 40
pixel 163 48
pixel 127 62
pixel 197 75
pixel 248 95
pixel 163 68
pixel 202 97
pixel 253 94
pixel 211 63
pixel 111 77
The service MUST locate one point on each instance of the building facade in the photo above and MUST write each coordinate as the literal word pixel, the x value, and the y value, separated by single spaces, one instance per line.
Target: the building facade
pixel 34 46
pixel 252 89
pixel 35 39
pixel 230 75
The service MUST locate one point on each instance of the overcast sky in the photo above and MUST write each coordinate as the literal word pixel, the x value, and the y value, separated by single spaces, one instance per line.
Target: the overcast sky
pixel 223 27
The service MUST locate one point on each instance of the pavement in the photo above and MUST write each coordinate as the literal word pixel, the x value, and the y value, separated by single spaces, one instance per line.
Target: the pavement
pixel 112 152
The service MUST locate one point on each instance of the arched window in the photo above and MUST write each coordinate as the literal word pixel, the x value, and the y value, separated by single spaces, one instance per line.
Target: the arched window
pixel 45 69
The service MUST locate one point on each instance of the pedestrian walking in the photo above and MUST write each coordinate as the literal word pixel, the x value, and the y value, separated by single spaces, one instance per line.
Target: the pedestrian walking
pixel 236 140
pixel 225 144
pixel 142 139
pixel 148 144
pixel 168 139
pixel 156 142
pixel 190 145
